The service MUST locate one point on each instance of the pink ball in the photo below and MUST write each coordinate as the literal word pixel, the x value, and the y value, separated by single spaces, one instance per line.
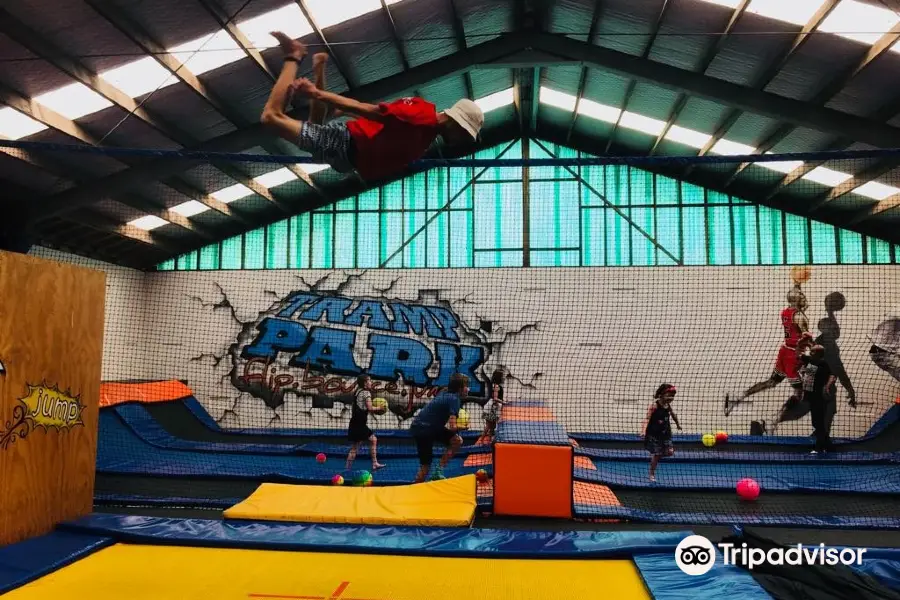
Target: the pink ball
pixel 320 457
pixel 748 489
pixel 337 480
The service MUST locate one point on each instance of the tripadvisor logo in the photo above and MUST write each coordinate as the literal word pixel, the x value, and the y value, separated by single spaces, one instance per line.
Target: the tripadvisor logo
pixel 696 555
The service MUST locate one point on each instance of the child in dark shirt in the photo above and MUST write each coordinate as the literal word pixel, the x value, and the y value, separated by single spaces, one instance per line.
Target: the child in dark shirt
pixel 493 406
pixel 658 432
pixel 358 431
pixel 818 381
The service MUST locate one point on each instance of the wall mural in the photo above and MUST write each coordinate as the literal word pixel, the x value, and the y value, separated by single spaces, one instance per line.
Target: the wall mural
pixel 43 406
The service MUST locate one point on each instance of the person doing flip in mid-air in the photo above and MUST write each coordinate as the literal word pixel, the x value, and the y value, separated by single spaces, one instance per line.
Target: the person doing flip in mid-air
pixel 384 138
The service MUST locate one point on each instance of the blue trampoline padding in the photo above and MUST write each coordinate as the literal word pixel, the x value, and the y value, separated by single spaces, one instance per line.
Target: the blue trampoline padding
pixel 119 450
pixel 860 479
pixel 885 571
pixel 749 517
pixel 722 455
pixel 168 502
pixel 372 539
pixel 545 433
pixel 26 561
pixel 666 581
pixel 144 426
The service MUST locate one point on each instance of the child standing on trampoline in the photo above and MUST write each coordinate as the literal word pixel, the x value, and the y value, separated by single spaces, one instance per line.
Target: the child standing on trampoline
pixel 493 407
pixel 358 431
pixel 658 432
pixel 382 141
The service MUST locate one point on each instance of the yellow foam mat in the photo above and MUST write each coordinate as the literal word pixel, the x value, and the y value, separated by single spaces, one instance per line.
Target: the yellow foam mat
pixel 174 572
pixel 445 503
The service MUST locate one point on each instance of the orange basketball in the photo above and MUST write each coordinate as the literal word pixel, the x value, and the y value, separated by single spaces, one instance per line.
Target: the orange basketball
pixel 800 274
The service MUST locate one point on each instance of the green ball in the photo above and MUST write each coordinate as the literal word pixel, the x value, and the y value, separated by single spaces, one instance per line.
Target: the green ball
pixel 361 478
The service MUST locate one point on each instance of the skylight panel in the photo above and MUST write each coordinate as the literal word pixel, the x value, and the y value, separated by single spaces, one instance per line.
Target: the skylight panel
pixel 139 77
pixel 595 110
pixel 15 126
pixel 827 177
pixel 729 148
pixel 190 208
pixel 495 100
pixel 148 222
pixel 232 193
pixel 876 190
pixel 641 123
pixel 73 101
pixel 313 168
pixel 728 3
pixel 797 12
pixel 861 22
pixel 208 52
pixel 557 99
pixel 275 178
pixel 289 19
pixel 782 166
pixel 688 137
pixel 331 12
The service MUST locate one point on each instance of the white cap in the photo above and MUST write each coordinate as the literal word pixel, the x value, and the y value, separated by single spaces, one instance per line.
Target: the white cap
pixel 468 115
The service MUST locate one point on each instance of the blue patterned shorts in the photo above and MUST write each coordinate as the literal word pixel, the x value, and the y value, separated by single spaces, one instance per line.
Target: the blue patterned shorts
pixel 329 144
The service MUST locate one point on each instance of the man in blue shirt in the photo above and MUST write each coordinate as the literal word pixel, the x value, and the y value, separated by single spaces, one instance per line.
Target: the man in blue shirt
pixel 436 422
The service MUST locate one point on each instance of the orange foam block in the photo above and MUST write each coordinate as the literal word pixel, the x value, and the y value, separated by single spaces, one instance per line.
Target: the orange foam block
pixel 532 480
pixel 478 460
pixel 583 462
pixel 526 413
pixel 594 494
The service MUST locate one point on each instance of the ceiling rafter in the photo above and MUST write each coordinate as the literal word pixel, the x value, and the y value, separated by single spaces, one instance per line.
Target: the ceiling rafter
pixel 335 60
pixel 459 31
pixel 582 81
pixel 632 84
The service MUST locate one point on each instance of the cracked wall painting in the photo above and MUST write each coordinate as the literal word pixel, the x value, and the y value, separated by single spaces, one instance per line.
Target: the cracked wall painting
pixel 282 348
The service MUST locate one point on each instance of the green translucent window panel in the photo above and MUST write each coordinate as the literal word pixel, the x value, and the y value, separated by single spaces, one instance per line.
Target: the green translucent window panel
pixel 499 172
pixel 851 247
pixel 277 245
pixel 593 237
pixel 367 242
pixel 771 236
pixel 347 204
pixel 666 190
pixel 554 258
pixel 499 258
pixel 878 251
pixel 594 177
pixel 746 235
pixel 328 208
pixel 796 230
pixel 298 238
pixel 717 197
pixel 643 252
pixel 368 200
pixel 824 244
pixel 187 262
pixel 553 215
pixel 537 152
pixel 641 187
pixel 719 232
pixel 668 234
pixel 437 239
pixel 460 239
pixel 391 240
pixel 437 188
pixel 414 253
pixel 344 240
pixel 392 195
pixel 168 265
pixel 498 216
pixel 897 254
pixel 617 185
pixel 414 192
pixel 322 238
pixel 692 194
pixel 460 195
pixel 254 249
pixel 232 253
pixel 618 235
pixel 694 228
pixel 209 258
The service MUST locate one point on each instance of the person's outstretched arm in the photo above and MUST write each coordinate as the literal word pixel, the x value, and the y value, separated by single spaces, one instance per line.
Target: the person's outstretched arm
pixel 342 103
pixel 273 115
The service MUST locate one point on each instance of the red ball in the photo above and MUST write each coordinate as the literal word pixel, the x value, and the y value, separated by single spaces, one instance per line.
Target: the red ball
pixel 320 457
pixel 721 437
pixel 748 489
pixel 481 475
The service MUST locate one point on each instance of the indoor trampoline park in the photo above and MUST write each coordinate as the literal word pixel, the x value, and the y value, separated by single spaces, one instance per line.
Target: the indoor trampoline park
pixel 450 299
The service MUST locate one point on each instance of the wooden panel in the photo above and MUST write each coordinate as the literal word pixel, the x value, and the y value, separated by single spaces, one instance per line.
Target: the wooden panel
pixel 51 345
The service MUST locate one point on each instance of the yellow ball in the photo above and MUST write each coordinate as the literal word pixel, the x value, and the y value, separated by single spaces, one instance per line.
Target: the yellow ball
pixel 380 404
pixel 462 419
pixel 709 440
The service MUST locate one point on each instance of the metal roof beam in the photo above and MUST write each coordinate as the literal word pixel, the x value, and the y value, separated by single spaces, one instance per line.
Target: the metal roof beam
pixel 216 11
pixel 351 86
pixel 460 31
pixel 582 82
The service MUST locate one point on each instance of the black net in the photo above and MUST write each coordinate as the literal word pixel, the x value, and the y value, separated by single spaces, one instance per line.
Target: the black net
pixel 587 286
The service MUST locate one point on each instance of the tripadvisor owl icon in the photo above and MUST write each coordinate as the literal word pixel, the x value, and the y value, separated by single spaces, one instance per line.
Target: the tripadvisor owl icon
pixel 695 555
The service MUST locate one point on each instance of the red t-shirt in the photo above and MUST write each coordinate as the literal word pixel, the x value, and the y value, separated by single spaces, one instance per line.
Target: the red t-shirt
pixel 384 149
pixel 792 333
